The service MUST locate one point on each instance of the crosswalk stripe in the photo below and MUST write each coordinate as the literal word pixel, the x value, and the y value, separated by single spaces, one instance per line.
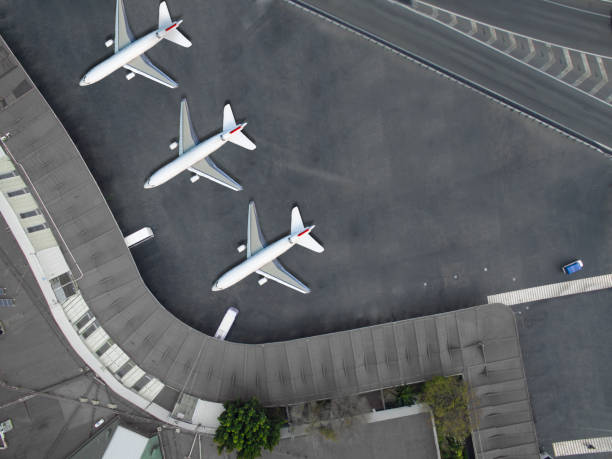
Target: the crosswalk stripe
pixel 584 446
pixel 544 292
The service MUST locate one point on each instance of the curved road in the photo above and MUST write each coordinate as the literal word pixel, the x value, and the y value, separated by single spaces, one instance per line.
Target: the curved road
pixel 469 59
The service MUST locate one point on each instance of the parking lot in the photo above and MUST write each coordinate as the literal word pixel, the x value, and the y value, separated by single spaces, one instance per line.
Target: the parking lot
pixel 427 196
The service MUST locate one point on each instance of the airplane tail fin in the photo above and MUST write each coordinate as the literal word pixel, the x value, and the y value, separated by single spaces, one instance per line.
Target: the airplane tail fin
pixel 235 135
pixel 165 21
pixel 296 220
pixel 305 240
pixel 164 16
pixel 228 118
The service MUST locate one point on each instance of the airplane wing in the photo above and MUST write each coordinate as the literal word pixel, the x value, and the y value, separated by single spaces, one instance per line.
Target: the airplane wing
pixel 123 34
pixel 206 168
pixel 275 271
pixel 187 135
pixel 242 140
pixel 255 240
pixel 143 66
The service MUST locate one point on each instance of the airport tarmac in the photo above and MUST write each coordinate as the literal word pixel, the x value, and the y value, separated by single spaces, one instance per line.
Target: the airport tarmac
pixel 565 344
pixel 427 196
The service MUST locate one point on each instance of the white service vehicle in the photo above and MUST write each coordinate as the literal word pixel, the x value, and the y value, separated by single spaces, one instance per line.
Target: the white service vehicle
pixel 195 157
pixel 226 323
pixel 262 259
pixel 138 237
pixel 129 53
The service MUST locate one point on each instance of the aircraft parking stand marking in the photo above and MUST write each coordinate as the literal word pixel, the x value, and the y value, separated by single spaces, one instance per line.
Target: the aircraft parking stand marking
pixel 569 65
pixel 512 46
pixel 551 58
pixel 603 76
pixel 584 446
pixel 495 37
pixel 474 28
pixel 532 51
pixel 587 70
pixel 545 292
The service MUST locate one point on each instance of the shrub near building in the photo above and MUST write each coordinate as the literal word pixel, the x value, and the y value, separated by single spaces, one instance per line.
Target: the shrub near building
pixel 448 399
pixel 246 428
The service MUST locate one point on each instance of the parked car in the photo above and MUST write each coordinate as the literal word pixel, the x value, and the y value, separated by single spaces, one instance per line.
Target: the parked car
pixel 572 267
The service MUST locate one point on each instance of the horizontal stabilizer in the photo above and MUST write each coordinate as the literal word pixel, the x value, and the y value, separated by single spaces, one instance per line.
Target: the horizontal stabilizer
pixel 241 140
pixel 309 242
pixel 176 37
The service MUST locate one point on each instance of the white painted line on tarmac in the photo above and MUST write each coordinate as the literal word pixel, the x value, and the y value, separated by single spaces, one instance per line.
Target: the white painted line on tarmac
pixel 587 71
pixel 532 51
pixel 512 46
pixel 484 24
pixel 493 36
pixel 577 9
pixel 545 292
pixel 551 58
pixel 474 28
pixel 604 77
pixel 584 446
pixel 569 66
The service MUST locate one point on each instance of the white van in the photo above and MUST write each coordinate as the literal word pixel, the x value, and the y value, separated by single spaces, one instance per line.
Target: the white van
pixel 143 234
pixel 226 323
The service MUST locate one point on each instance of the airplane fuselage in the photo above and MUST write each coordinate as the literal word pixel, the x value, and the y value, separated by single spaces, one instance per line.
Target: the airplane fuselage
pixel 189 158
pixel 122 57
pixel 255 262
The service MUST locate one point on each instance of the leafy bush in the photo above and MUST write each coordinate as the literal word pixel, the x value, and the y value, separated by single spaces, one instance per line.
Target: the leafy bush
pixel 448 399
pixel 405 395
pixel 246 428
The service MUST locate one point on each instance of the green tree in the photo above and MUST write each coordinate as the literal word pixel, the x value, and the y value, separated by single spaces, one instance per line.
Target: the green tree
pixel 405 395
pixel 246 428
pixel 448 399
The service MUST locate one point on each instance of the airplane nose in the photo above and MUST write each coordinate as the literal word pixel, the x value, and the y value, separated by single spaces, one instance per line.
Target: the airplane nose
pixel 83 82
pixel 147 185
pixel 215 287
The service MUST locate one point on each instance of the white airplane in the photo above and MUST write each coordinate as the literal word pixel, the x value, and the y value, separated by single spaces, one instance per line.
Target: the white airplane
pixel 195 157
pixel 262 259
pixel 129 53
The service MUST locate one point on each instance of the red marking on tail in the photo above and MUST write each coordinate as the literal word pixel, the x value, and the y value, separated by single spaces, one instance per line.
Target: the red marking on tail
pixel 304 232
pixel 237 129
pixel 172 26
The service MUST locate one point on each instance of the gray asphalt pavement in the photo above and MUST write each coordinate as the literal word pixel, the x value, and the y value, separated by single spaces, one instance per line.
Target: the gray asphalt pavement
pixel 475 62
pixel 416 184
pixel 565 344
pixel 548 21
